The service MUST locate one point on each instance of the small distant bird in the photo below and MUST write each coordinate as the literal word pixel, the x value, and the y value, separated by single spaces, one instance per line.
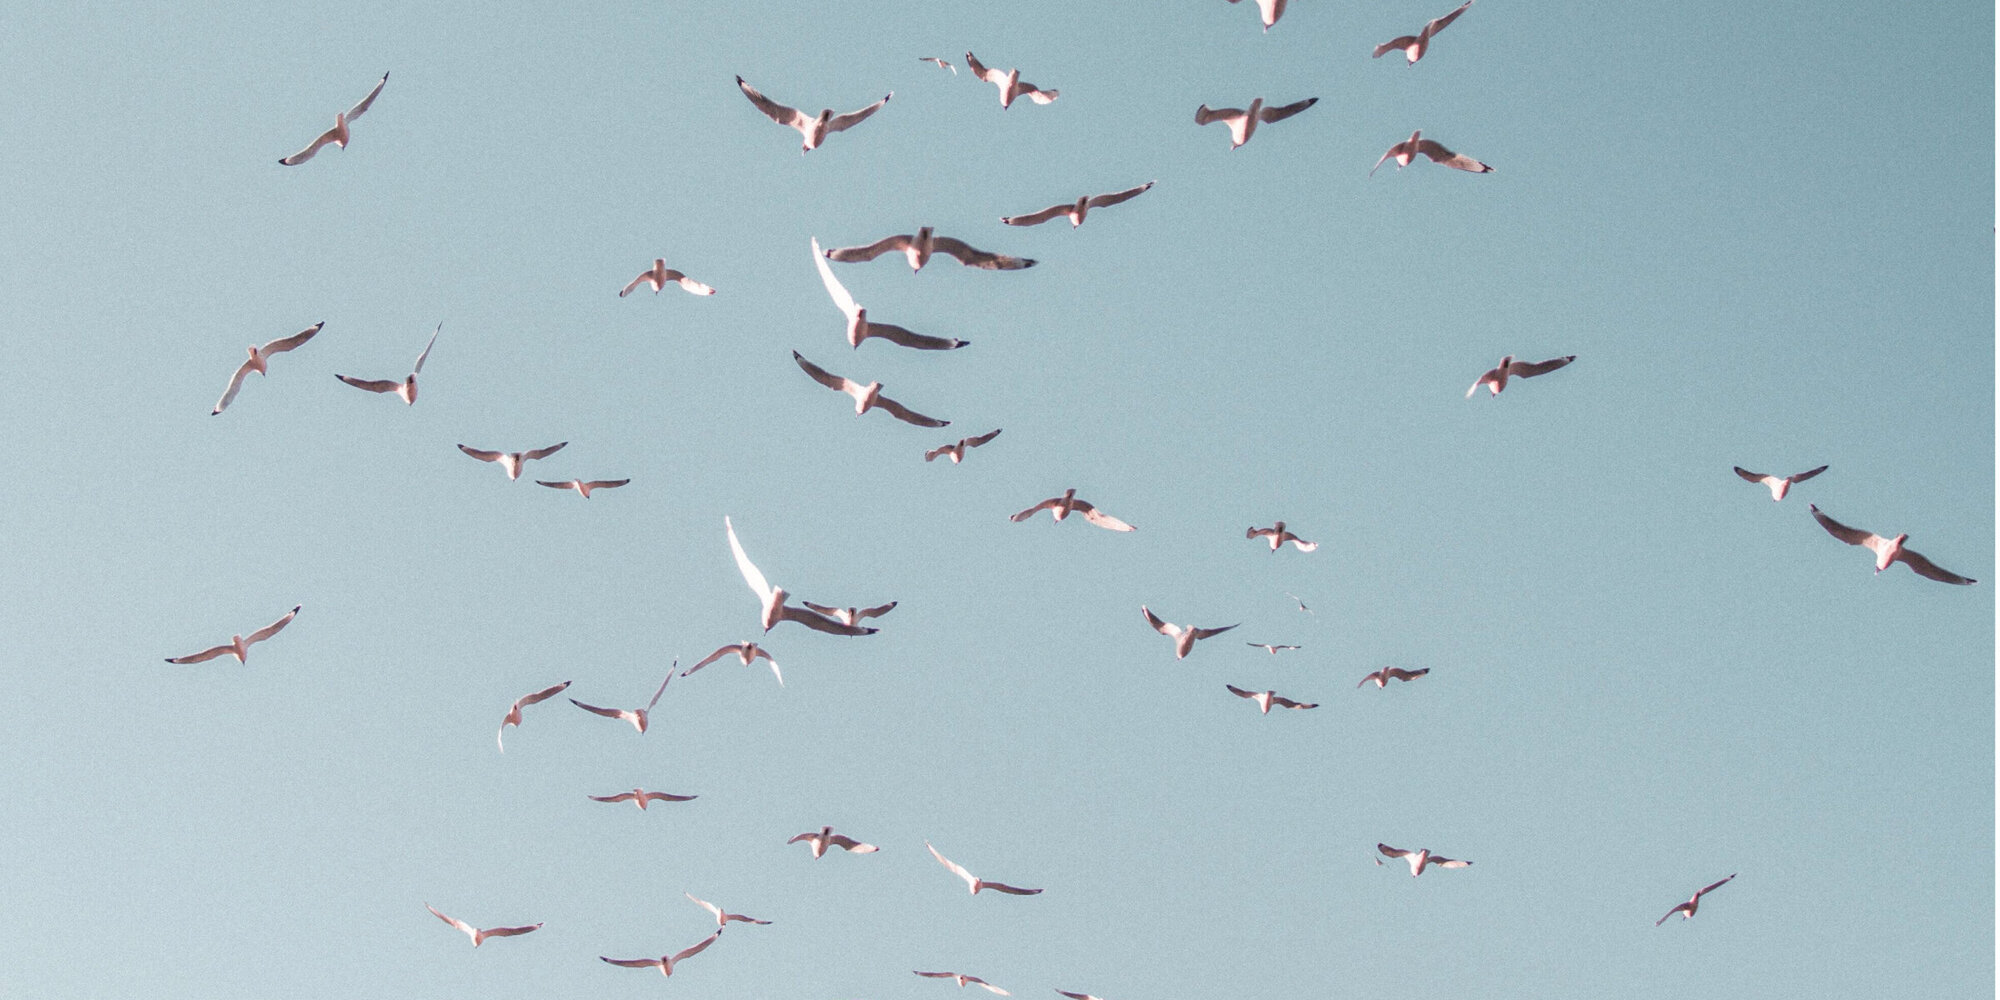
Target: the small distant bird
pixel 239 646
pixel 1267 647
pixel 1183 635
pixel 1686 910
pixel 956 452
pixel 478 935
pixel 513 716
pixel 1086 996
pixel 918 247
pixel 1496 377
pixel 665 963
pixel 659 275
pixel 1266 699
pixel 511 460
pixel 815 129
pixel 1010 84
pixel 260 358
pixel 1243 122
pixel 942 63
pixel 1061 507
pixel 636 716
pixel 338 133
pixel 1271 9
pixel 773 598
pixel 639 797
pixel 1414 46
pixel 1302 605
pixel 584 486
pixel 722 918
pixel 1888 550
pixel 975 882
pixel 1407 150
pixel 748 652
pixel 1383 676
pixel 963 979
pixel 407 388
pixel 1778 487
pixel 824 838
pixel 1419 859
pixel 1279 536
pixel 851 616
pixel 859 328
pixel 866 397
pixel 1075 211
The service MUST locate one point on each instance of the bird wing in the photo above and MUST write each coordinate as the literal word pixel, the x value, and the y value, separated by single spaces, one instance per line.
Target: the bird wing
pixel 1753 477
pixel 1011 890
pixel 808 835
pixel 1456 161
pixel 283 344
pixel 1808 474
pixel 463 927
pixel 1403 675
pixel 663 687
pixel 1037 94
pixel 706 905
pixel 1852 536
pixel 1268 114
pixel 1283 702
pixel 821 609
pixel 834 288
pixel 974 442
pixel 1205 114
pixel 1393 852
pixel 359 109
pixel 772 109
pixel 1030 512
pixel 606 484
pixel 1116 197
pixel 620 797
pixel 666 797
pixel 372 385
pixel 1528 369
pixel 840 123
pixel 945 63
pixel 972 257
pixel 712 657
pixel 1449 862
pixel 1711 887
pixel 1393 150
pixel 1438 24
pixel 1100 518
pixel 820 623
pixel 203 656
pixel 419 366
pixel 1396 44
pixel 633 963
pixel 877 611
pixel 937 975
pixel 978 69
pixel 932 455
pixel 307 153
pixel 947 862
pixel 822 376
pixel 1683 908
pixel 636 282
pixel 760 586
pixel 873 250
pixel 484 456
pixel 540 696
pixel 567 484
pixel 689 285
pixel 272 629
pixel 921 341
pixel 235 383
pixel 847 843
pixel 1036 218
pixel 1925 568
pixel 1239 692
pixel 907 415
pixel 1259 532
pixel 509 931
pixel 1203 633
pixel 1159 625
pixel 542 452
pixel 1379 674
pixel 609 713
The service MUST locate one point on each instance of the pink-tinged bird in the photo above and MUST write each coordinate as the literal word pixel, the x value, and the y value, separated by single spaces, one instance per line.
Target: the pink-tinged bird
pixel 1278 536
pixel 665 963
pixel 1273 650
pixel 1061 507
pixel 1496 377
pixel 722 917
pixel 772 599
pixel 747 652
pixel 1403 152
pixel 1010 84
pixel 1243 122
pixel 640 797
pixel 1271 10
pixel 851 615
pixel 941 63
pixel 479 935
pixel 860 328
pixel 1383 676
pixel 974 881
pixel 407 388
pixel 1416 45
pixel 963 979
pixel 1687 909
pixel 918 247
pixel 636 716
pixel 260 359
pixel 1888 550
pixel 866 397
pixel 511 460
pixel 584 486
pixel 513 717
pixel 1266 699
pixel 660 275
pixel 823 838
pixel 1075 211
pixel 956 452
pixel 239 646
pixel 1182 635
pixel 815 128
pixel 1086 996
pixel 1778 487
pixel 338 133
pixel 1420 859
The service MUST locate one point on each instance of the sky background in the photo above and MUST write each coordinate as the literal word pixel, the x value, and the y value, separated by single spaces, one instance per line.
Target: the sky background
pixel 1755 225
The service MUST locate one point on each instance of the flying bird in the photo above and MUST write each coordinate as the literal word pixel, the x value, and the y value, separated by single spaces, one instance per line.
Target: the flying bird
pixel 1075 211
pixel 479 935
pixel 866 397
pixel 1243 122
pixel 963 979
pixel 1414 46
pixel 1267 647
pixel 858 326
pixel 407 388
pixel 956 452
pixel 722 918
pixel 639 797
pixel 1060 507
pixel 665 963
pixel 1686 910
pixel 974 881
pixel 584 486
pixel 1496 377
pixel 815 129
pixel 1778 487
pixel 511 460
pixel 1383 676
pixel 942 63
pixel 1279 536
pixel 1403 152
pixel 1266 699
pixel 823 838
pixel 1420 859
pixel 239 646
pixel 1183 635
pixel 773 598
pixel 1302 605
pixel 1010 84
pixel 1271 10
pixel 851 616
pixel 636 716
pixel 260 358
pixel 748 652
pixel 1888 550
pixel 338 133
pixel 918 247
pixel 659 275
pixel 513 717
pixel 1086 996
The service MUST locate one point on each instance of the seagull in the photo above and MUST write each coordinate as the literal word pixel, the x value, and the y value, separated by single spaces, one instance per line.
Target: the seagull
pixel 1273 650
pixel 1778 487
pixel 943 63
pixel 407 388
pixel 815 129
pixel 1279 536
pixel 1060 507
pixel 1887 550
pixel 1415 45
pixel 238 646
pixel 1419 859
pixel 748 652
pixel 1686 910
pixel 1086 996
pixel 1496 377
pixel 975 881
pixel 964 979
pixel 919 247
pixel 338 133
pixel 1243 123
pixel 636 716
pixel 1383 676
pixel 1408 149
pixel 658 276
pixel 956 452
pixel 1265 699
pixel 665 963
pixel 513 717
pixel 773 598
pixel 1010 84
pixel 1077 210
pixel 866 397
pixel 477 935
pixel 584 486
pixel 511 460
pixel 1183 635
pixel 1302 605
pixel 819 840
pixel 858 326
pixel 851 616
pixel 1272 10
pixel 639 797
pixel 722 918
pixel 260 358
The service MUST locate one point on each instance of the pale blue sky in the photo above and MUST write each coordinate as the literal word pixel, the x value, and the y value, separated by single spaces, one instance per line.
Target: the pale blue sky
pixel 1755 226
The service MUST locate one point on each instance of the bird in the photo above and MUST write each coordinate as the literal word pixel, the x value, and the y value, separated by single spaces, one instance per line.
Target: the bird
pixel 659 275
pixel 974 881
pixel 1419 859
pixel 815 129
pixel 260 359
pixel 1265 699
pixel 1243 122
pixel 1010 84
pixel 1077 210
pixel 1279 536
pixel 1496 377
pixel 942 63
pixel 1887 550
pixel 956 452
pixel 918 247
pixel 511 460
pixel 722 918
pixel 823 838
pixel 773 598
pixel 239 646
pixel 636 716
pixel 866 397
pixel 858 326
pixel 1414 46
pixel 407 388
pixel 338 133
pixel 1183 635
pixel 1271 10
pixel 1060 507
pixel 1778 487
pixel 584 486
pixel 1302 605
pixel 513 716
pixel 1383 676
pixel 479 935
pixel 963 979
pixel 1086 996
pixel 1686 910
pixel 665 963
pixel 851 616
pixel 1273 650
pixel 748 652
pixel 1407 150
pixel 639 797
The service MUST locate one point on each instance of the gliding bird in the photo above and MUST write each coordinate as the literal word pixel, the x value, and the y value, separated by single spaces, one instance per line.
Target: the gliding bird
pixel 1778 487
pixel 866 397
pixel 1243 122
pixel 1077 210
pixel 479 935
pixel 858 326
pixel 1010 84
pixel 956 452
pixel 1496 377
pixel 963 979
pixel 1408 149
pixel 660 274
pixel 1061 507
pixel 722 918
pixel 513 717
pixel 1686 910
pixel 975 882
pixel 407 388
pixel 239 646
pixel 1279 536
pixel 748 652
pixel 1182 635
pixel 773 598
pixel 338 133
pixel 1888 550
pixel 1420 859
pixel 1414 46
pixel 665 963
pixel 1266 699
pixel 818 841
pixel 1383 676
pixel 640 796
pixel 918 247
pixel 636 716
pixel 260 358
pixel 814 129
pixel 511 460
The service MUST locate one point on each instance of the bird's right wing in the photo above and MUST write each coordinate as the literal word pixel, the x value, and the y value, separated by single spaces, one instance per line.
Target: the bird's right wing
pixel 1530 369
pixel 821 375
pixel 907 338
pixel 235 383
pixel 1269 114
pixel 1203 633
pixel 978 69
pixel 840 123
pixel 201 657
pixel 1205 114
pixel 695 949
pixel 283 344
pixel 539 452
pixel 1396 44
pixel 1808 474
pixel 751 575
pixel 372 385
pixel 1753 477
pixel 272 629
pixel 484 456
pixel 907 415
pixel 873 250
pixel 975 442
pixel 1115 197
pixel 1925 568
pixel 820 623
pixel 359 109
pixel 1852 536
pixel 1159 625
pixel 711 658
pixel 971 256
pixel 1035 218
pixel 307 153
pixel 772 109
pixel 834 288
pixel 1030 512
pixel 609 713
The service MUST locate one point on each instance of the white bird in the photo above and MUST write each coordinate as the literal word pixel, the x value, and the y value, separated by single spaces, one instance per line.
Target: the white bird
pixel 1888 550
pixel 823 838
pixel 1182 635
pixel 942 63
pixel 239 646
pixel 1686 910
pixel 963 979
pixel 479 935
pixel 956 452
pixel 1266 699
pixel 1414 46
pixel 851 615
pixel 815 128
pixel 1407 150
pixel 639 797
pixel 407 388
pixel 1267 647
pixel 1383 676
pixel 1271 10
pixel 1243 122
pixel 1061 507
pixel 1010 84
pixel 918 247
pixel 659 275
pixel 1279 536
pixel 1086 996
pixel 1075 211
pixel 866 397
pixel 748 652
pixel 858 326
pixel 1496 377
pixel 1778 487
pixel 513 716
pixel 584 486
pixel 338 133
pixel 638 717
pixel 1302 605
pixel 260 358
pixel 511 460
pixel 722 918
pixel 665 963
pixel 1420 859
pixel 773 598
pixel 974 881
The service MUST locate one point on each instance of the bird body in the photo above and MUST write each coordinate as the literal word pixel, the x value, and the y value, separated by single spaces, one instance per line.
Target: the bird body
pixel 1270 11
pixel 238 645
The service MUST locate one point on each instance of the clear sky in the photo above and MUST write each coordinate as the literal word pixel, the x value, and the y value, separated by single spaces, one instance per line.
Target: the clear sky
pixel 1755 225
